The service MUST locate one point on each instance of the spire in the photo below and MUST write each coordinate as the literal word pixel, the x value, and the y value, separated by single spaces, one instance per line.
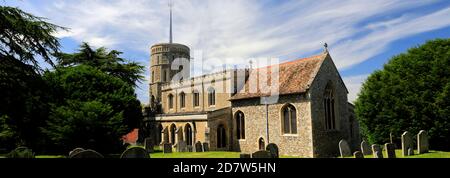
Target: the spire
pixel 170 6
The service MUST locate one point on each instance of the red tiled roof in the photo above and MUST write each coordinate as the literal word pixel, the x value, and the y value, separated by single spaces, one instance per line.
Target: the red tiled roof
pixel 294 77
pixel 131 137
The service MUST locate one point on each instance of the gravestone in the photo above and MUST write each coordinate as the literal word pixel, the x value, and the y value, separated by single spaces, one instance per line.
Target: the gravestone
pixel 243 155
pixel 205 147
pixel 167 148
pixel 410 152
pixel 365 148
pixel 189 148
pixel 261 154
pixel 344 149
pixel 181 146
pixel 75 151
pixel 21 152
pixel 148 142
pixel 407 143
pixel 87 154
pixel 377 152
pixel 358 154
pixel 273 149
pixel 390 150
pixel 198 147
pixel 135 152
pixel 422 142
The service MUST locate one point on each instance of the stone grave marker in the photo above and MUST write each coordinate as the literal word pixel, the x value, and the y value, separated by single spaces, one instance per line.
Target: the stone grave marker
pixel 75 151
pixel 167 148
pixel 198 147
pixel 135 152
pixel 365 148
pixel 407 143
pixel 390 150
pixel 410 152
pixel 87 154
pixel 205 147
pixel 181 146
pixel 358 154
pixel 273 149
pixel 422 142
pixel 344 149
pixel 261 154
pixel 377 152
pixel 148 142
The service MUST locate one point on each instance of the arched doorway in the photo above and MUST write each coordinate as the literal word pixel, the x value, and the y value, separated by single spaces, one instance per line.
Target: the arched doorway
pixel 262 144
pixel 221 137
pixel 173 129
pixel 188 134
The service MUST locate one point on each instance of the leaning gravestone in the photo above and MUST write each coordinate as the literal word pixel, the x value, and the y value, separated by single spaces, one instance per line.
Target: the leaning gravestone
pixel 87 154
pixel 273 149
pixel 245 155
pixel 407 143
pixel 422 142
pixel 365 148
pixel 390 150
pixel 135 152
pixel 377 152
pixel 261 154
pixel 21 152
pixel 167 148
pixel 344 149
pixel 205 147
pixel 75 151
pixel 148 142
pixel 198 147
pixel 358 154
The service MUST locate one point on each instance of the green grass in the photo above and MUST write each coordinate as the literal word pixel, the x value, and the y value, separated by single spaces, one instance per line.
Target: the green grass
pixel 431 154
pixel 217 154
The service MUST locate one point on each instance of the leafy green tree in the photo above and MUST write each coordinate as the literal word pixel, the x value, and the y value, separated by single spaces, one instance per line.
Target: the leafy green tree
pixel 23 36
pixel 92 109
pixel 411 94
pixel 104 60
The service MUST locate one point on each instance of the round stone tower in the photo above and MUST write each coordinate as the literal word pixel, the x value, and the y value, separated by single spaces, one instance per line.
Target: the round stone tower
pixel 162 57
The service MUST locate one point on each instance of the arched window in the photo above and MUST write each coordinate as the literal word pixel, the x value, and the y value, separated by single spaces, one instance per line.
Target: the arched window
pixel 261 144
pixel 160 134
pixel 182 100
pixel 221 137
pixel 188 134
pixel 170 98
pixel 211 97
pixel 196 99
pixel 173 129
pixel 289 119
pixel 328 103
pixel 240 125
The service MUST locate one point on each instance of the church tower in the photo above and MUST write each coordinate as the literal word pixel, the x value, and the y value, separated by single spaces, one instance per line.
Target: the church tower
pixel 162 57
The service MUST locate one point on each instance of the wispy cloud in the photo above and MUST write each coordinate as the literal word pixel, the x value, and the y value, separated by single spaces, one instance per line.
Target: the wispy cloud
pixel 354 84
pixel 239 29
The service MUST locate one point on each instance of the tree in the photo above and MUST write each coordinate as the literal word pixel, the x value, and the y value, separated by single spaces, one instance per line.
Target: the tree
pixel 23 36
pixel 92 109
pixel 411 94
pixel 104 60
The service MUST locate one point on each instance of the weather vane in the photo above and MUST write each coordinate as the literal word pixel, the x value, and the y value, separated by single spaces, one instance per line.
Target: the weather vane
pixel 326 47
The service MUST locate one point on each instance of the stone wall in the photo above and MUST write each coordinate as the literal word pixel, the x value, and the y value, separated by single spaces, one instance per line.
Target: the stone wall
pixel 255 126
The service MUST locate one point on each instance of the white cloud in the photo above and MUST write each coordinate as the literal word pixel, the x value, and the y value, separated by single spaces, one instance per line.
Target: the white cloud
pixel 354 84
pixel 356 30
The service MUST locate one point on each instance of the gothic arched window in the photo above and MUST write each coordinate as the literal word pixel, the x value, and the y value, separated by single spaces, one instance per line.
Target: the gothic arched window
pixel 289 119
pixel 329 106
pixel 240 125
pixel 221 137
pixel 261 144
pixel 173 129
pixel 170 98
pixel 182 100
pixel 188 134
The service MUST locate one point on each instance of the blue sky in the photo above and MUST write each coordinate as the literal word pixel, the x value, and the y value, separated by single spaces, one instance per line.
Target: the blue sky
pixel 362 34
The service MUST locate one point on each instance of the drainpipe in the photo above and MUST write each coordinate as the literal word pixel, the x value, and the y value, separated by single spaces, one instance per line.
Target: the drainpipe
pixel 267 123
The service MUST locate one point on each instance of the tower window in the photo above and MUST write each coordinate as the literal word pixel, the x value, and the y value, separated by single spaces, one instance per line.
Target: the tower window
pixel 211 97
pixel 182 100
pixel 240 125
pixel 196 100
pixel 170 98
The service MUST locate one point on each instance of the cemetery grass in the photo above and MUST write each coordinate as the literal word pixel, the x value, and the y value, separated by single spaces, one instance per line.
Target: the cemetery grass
pixel 431 154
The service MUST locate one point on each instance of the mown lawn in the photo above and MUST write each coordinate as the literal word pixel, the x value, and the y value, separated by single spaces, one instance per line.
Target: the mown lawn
pixel 431 154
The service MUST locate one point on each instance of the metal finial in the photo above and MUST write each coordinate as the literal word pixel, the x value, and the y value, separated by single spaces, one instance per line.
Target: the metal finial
pixel 326 47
